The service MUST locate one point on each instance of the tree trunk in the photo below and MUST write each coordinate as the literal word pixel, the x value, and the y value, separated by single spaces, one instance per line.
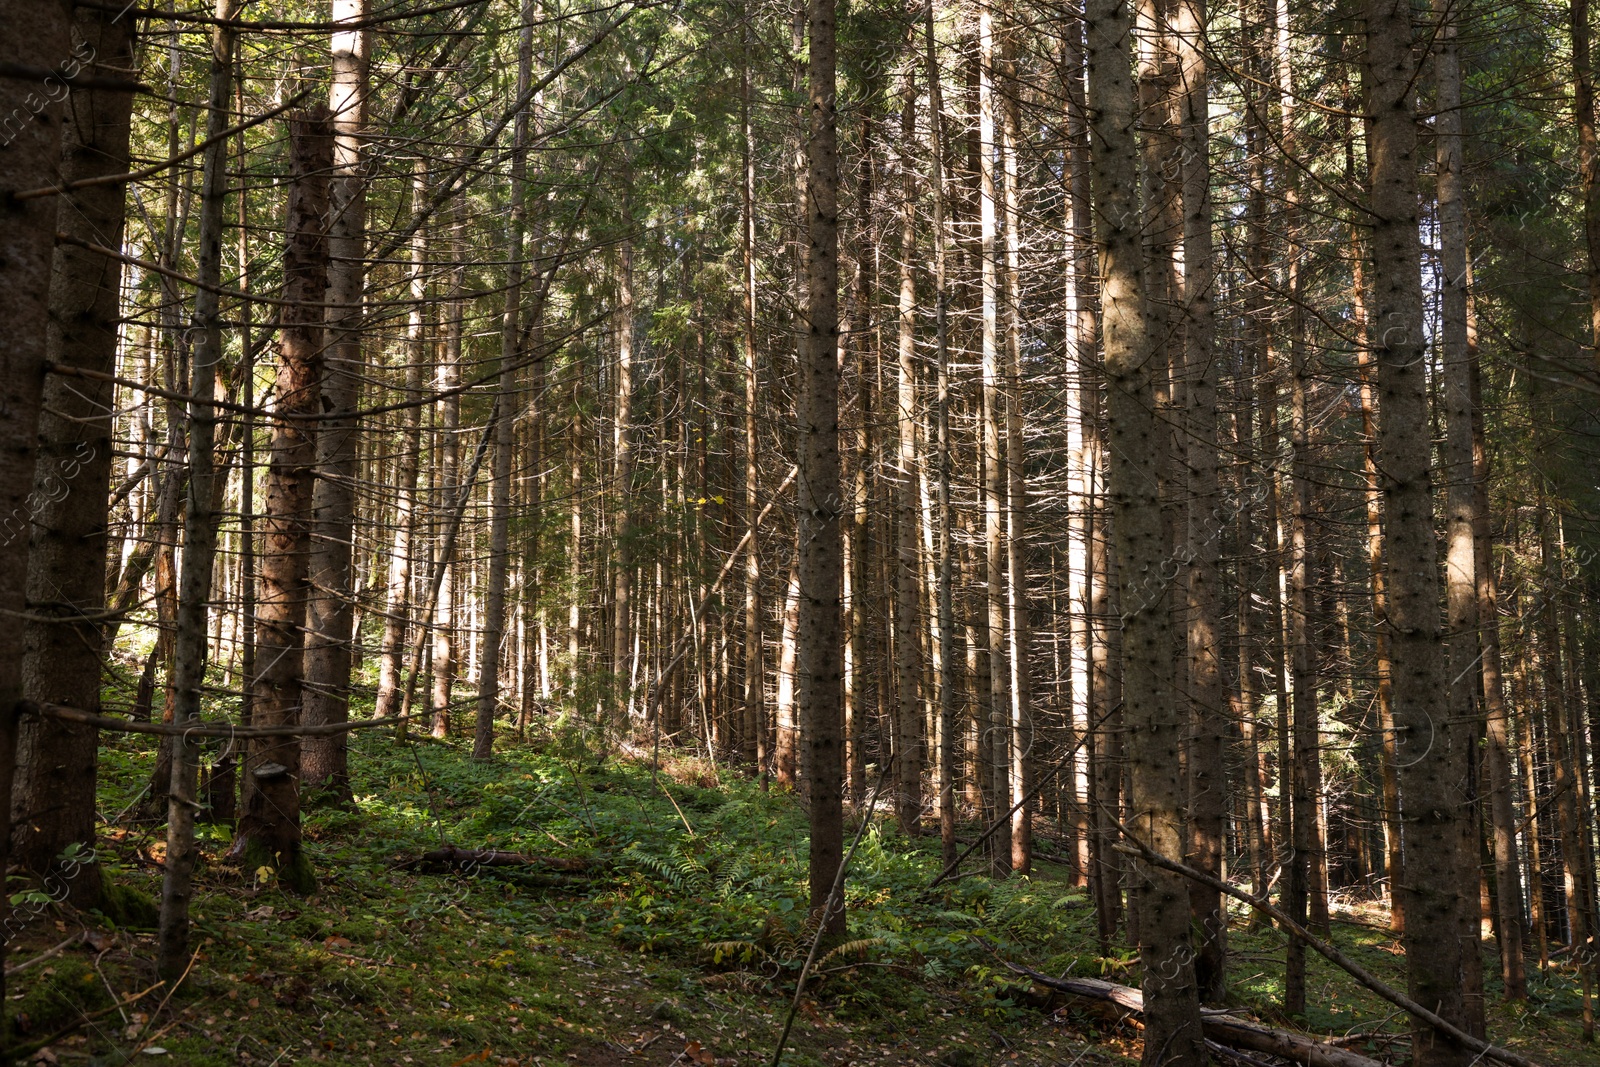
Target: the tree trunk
pixel 53 798
pixel 1172 1022
pixel 817 644
pixel 447 480
pixel 1461 594
pixel 1497 750
pixel 199 524
pixel 908 668
pixel 329 618
pixel 1207 691
pixel 1433 749
pixel 1583 106
pixel 391 657
pixel 32 139
pixel 993 480
pixel 500 477
pixel 944 602
pixel 269 832
pixel 1019 625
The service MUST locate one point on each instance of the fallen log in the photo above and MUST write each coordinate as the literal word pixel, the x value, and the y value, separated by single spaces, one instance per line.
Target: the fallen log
pixel 1328 952
pixel 1218 1026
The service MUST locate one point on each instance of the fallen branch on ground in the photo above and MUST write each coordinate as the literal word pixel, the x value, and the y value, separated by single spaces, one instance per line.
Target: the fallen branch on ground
pixel 1220 1027
pixel 1330 953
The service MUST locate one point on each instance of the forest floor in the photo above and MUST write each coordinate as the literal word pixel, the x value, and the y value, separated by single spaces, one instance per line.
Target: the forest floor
pixel 677 943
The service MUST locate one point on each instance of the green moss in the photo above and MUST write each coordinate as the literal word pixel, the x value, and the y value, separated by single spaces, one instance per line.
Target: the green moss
pixel 125 905
pixel 61 994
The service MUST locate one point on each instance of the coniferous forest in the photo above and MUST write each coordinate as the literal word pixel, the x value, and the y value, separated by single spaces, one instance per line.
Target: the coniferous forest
pixel 815 533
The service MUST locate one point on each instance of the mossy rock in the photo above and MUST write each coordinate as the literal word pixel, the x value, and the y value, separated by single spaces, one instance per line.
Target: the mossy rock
pixel 127 906
pixel 60 995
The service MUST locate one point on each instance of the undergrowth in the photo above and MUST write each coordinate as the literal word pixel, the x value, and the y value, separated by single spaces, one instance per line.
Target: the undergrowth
pixel 687 929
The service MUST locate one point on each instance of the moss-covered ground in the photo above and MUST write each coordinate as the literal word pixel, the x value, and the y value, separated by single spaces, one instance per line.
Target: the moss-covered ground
pixel 679 944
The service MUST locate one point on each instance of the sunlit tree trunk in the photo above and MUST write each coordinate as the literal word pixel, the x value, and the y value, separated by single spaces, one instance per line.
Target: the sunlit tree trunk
pixel 330 619
pixel 1172 1036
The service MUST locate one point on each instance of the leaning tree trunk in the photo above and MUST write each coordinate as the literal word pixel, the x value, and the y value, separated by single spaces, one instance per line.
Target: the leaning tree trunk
pixel 33 154
pixel 269 832
pixel 1172 1036
pixel 1433 738
pixel 53 799
pixel 330 613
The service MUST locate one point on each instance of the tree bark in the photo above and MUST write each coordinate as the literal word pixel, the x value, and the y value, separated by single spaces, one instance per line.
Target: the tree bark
pixel 391 656
pixel 500 477
pixel 817 634
pixel 1173 1037
pixel 993 479
pixel 1433 749
pixel 329 619
pixel 908 597
pixel 199 523
pixel 31 135
pixel 1207 775
pixel 53 797
pixel 269 831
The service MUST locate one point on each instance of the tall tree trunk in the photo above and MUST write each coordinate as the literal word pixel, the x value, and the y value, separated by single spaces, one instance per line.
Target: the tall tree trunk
pixel 53 797
pixel 1019 625
pixel 1583 106
pixel 500 477
pixel 447 480
pixel 199 524
pixel 993 481
pixel 817 651
pixel 907 648
pixel 944 606
pixel 622 516
pixel 33 159
pixel 1497 749
pixel 391 657
pixel 269 832
pixel 1461 593
pixel 755 724
pixel 1172 1034
pixel 1433 746
pixel 1383 663
pixel 1207 691
pixel 329 618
